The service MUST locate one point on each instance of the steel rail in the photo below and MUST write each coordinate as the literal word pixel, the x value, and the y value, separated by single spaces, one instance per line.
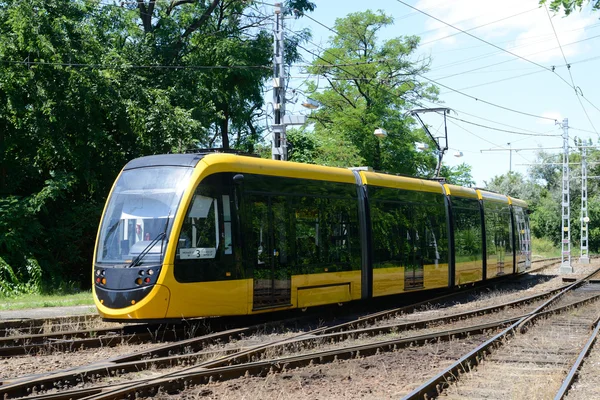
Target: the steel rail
pixel 205 373
pixel 434 386
pixel 574 372
pixel 194 344
pixel 293 342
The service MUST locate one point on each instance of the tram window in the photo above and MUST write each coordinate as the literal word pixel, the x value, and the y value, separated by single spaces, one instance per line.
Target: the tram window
pixel 498 232
pixel 409 228
pixel 320 224
pixel 468 235
pixel 205 246
pixel 200 233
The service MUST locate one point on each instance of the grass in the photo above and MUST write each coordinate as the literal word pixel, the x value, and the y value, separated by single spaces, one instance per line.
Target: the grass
pixel 543 248
pixel 42 300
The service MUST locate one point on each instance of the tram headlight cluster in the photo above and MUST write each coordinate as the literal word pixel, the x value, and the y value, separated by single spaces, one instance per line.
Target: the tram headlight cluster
pixel 142 273
pixel 100 278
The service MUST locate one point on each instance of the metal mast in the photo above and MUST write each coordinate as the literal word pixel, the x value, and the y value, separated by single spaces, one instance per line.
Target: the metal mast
pixel 279 143
pixel 584 255
pixel 565 266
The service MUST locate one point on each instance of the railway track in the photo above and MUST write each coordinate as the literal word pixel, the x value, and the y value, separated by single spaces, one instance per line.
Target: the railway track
pixel 532 353
pixel 46 336
pixel 235 362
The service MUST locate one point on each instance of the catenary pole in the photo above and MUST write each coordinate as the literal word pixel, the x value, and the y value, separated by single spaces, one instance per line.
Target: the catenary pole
pixel 565 266
pixel 279 140
pixel 584 254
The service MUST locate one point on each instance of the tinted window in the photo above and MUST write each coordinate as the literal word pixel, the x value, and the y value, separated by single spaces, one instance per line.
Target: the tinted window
pixel 205 249
pixel 409 231
pixel 498 234
pixel 319 220
pixel 468 240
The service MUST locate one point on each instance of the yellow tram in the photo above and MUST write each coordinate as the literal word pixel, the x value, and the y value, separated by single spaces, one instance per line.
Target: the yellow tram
pixel 190 235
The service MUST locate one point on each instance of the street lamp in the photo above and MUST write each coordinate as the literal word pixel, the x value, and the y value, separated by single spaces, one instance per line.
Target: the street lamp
pixel 380 133
pixel 310 104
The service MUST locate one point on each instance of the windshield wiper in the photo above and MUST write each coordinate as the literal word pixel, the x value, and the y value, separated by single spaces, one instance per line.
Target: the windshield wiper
pixel 146 250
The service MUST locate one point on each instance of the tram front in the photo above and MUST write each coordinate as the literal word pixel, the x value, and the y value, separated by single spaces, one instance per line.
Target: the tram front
pixel 134 237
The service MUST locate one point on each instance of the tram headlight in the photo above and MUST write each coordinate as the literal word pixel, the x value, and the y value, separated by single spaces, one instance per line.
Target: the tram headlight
pixel 138 281
pixel 150 272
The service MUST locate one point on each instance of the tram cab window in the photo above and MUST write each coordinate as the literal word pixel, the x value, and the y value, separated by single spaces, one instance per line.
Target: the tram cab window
pixel 205 243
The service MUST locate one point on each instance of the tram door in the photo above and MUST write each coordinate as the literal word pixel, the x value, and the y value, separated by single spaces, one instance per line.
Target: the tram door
pixel 272 278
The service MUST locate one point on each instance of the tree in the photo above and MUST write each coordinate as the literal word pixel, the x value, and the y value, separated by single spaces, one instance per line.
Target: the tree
pixel 459 175
pixel 570 5
pixel 87 85
pixel 369 86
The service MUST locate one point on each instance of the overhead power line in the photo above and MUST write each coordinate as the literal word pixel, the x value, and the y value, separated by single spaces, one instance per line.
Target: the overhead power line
pixel 500 130
pixel 569 69
pixel 487 102
pixel 480 26
pixel 132 66
pixel 473 36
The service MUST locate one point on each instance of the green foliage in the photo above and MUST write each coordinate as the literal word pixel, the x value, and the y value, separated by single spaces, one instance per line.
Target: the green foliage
pixel 14 283
pixel 459 175
pixel 571 5
pixel 544 248
pixel 334 151
pixel 85 87
pixel 369 85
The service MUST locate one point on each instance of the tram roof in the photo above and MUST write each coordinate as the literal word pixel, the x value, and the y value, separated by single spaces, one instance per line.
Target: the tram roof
pixel 400 182
pixel 161 160
pixel 219 162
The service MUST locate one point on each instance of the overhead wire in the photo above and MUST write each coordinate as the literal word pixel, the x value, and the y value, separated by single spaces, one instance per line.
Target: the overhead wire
pixel 498 81
pixel 459 119
pixel 479 26
pixel 492 121
pixel 485 140
pixel 569 69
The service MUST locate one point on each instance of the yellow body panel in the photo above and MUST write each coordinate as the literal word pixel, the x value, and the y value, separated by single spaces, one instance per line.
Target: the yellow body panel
pixel 301 282
pixel 207 298
pixel 400 182
pixel 214 163
pixel 316 296
pixel 435 276
pixel 468 272
pixel 388 281
pixel 517 202
pixel 153 306
pixel 495 197
pixel 459 191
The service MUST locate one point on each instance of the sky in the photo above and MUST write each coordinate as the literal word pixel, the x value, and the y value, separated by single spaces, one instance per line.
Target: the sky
pixel 521 67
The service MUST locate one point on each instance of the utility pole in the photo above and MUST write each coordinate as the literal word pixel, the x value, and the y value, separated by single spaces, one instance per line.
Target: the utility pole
pixel 509 158
pixel 565 266
pixel 279 143
pixel 584 254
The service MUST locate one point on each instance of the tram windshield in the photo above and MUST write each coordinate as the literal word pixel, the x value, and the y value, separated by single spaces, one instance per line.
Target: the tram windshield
pixel 139 215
